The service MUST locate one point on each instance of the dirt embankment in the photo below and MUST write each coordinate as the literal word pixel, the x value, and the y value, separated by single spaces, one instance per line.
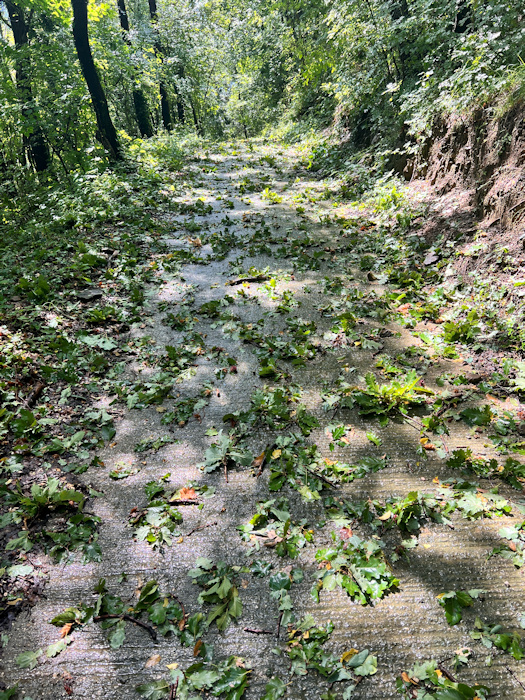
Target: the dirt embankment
pixel 472 172
pixel 484 155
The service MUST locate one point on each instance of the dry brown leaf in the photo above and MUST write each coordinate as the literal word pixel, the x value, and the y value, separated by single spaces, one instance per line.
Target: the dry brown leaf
pixel 187 493
pixel 258 461
pixel 197 647
pixel 66 629
pixel 345 533
pixel 152 661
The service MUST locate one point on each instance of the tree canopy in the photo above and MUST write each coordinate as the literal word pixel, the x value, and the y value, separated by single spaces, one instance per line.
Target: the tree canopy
pixel 381 68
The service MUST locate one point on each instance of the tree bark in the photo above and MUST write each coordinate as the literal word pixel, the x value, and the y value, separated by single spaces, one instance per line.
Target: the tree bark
pixel 107 132
pixel 142 114
pixel 34 141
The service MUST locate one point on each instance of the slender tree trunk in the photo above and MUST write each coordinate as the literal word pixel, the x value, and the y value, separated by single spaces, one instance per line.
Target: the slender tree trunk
pixel 165 106
pixel 195 118
pixel 180 104
pixel 107 132
pixel 35 144
pixel 140 102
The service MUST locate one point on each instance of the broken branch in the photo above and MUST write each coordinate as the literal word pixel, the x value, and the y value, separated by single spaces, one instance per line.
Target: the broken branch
pixel 128 618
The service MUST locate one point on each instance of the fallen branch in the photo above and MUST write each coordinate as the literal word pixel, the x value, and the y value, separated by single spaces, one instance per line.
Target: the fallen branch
pixel 201 527
pixel 320 476
pixel 257 278
pixel 256 631
pixel 515 677
pixel 128 618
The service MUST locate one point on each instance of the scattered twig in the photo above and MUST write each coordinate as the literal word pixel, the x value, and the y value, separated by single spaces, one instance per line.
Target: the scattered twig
pixel 135 520
pixel 279 625
pixel 128 618
pixel 257 278
pixel 447 673
pixel 201 527
pixel 184 502
pixel 179 601
pixel 267 452
pixel 256 631
pixel 35 393
pixel 173 690
pixel 515 677
pixel 226 470
pixel 320 476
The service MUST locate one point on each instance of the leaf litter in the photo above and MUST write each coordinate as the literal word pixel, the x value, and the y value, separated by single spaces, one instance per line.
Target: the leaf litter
pixel 365 559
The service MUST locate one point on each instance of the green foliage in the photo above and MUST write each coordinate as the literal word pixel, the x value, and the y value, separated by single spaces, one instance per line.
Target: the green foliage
pixel 164 615
pixel 227 679
pixel 434 685
pixel 78 532
pixel 453 603
pixel 305 651
pixel 158 522
pixel 492 636
pixel 273 527
pixel 515 549
pixel 387 399
pixel 407 514
pixel 358 566
pixel 219 591
pixel 511 470
pixel 225 452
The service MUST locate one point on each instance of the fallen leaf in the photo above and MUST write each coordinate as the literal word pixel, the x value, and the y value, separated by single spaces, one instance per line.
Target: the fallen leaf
pixel 197 647
pixel 386 516
pixel 276 454
pixel 66 629
pixel 260 459
pixel 345 533
pixel 187 493
pixel 153 661
pixel 347 655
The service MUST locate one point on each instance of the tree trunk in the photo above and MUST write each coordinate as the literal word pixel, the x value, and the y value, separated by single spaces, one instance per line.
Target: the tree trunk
pixel 140 102
pixel 35 144
pixel 165 106
pixel 107 133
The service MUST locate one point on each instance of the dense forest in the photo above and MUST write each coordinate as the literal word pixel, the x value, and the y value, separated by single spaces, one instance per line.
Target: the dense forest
pixel 77 87
pixel 262 349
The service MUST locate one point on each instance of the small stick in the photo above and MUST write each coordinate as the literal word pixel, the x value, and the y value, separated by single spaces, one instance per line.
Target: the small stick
pixel 128 618
pixel 226 470
pixel 184 502
pixel 447 674
pixel 179 601
pixel 320 476
pixel 258 278
pixel 173 690
pixel 279 625
pixel 35 393
pixel 256 631
pixel 201 527
pixel 515 677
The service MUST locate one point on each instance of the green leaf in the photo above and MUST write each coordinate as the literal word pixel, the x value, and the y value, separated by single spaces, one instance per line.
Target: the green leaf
pixel 368 668
pixel 275 689
pixel 58 647
pixel 156 690
pixel 117 635
pixel 28 659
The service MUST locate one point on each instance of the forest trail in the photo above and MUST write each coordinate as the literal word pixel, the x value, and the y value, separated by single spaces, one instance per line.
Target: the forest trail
pixel 267 348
